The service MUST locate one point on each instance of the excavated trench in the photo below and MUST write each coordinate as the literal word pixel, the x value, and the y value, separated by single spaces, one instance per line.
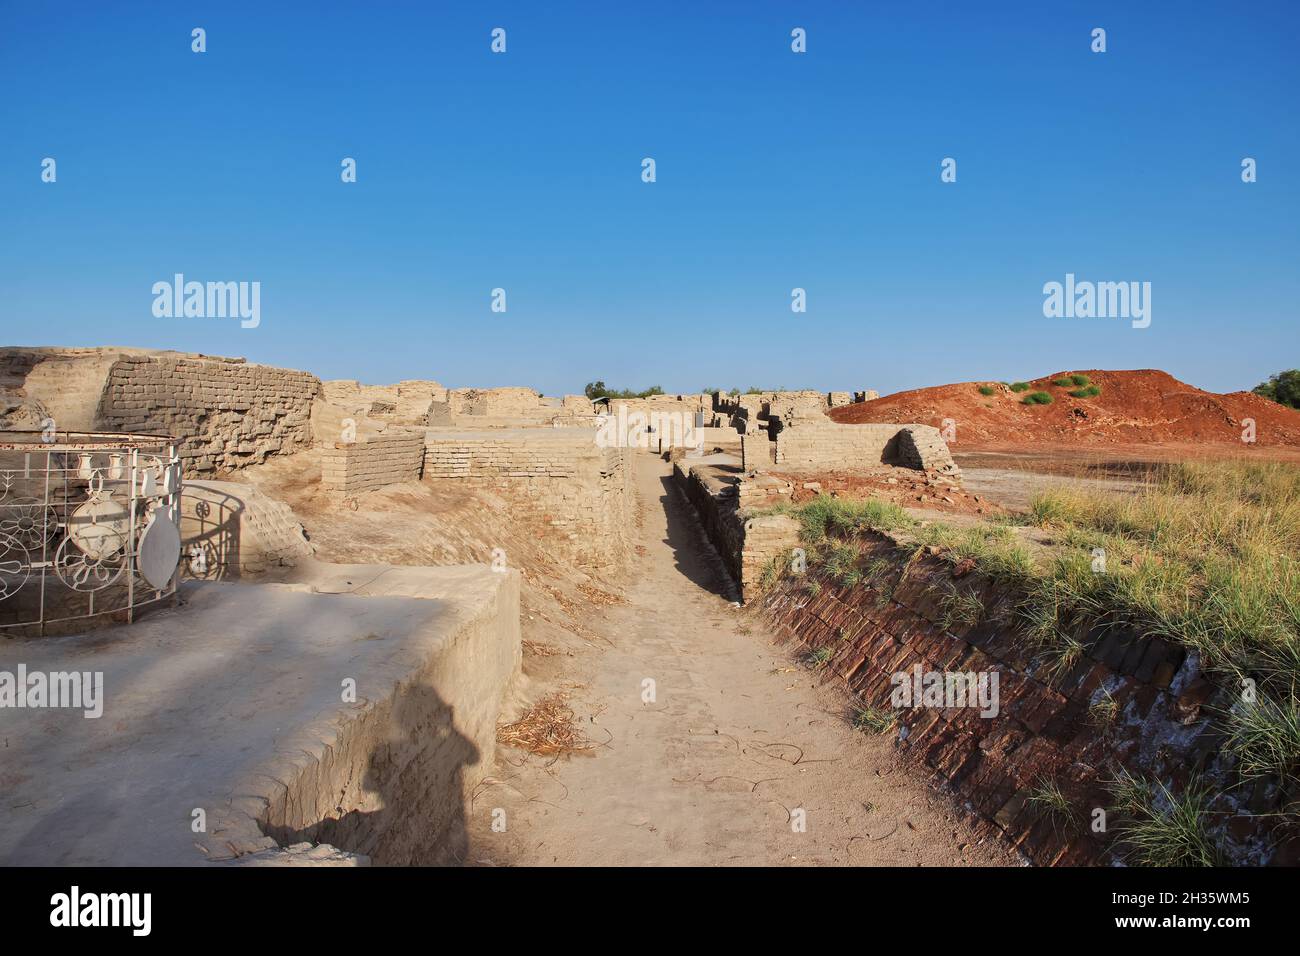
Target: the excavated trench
pixel 395 789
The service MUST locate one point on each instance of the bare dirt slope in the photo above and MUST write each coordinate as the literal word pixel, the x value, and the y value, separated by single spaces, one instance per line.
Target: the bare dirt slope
pixel 1134 407
pixel 737 738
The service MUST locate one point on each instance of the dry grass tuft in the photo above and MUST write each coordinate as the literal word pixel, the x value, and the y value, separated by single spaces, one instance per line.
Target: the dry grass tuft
pixel 548 730
pixel 598 597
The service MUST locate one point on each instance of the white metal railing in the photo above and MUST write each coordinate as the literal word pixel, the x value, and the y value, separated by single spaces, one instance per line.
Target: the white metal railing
pixel 89 526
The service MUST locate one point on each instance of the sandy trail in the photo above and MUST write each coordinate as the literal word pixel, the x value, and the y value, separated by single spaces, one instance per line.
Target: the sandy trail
pixel 714 770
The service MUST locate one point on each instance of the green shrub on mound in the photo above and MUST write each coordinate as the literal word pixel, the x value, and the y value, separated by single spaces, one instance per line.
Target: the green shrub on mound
pixel 1090 392
pixel 1019 386
pixel 1037 398
pixel 1078 379
pixel 987 390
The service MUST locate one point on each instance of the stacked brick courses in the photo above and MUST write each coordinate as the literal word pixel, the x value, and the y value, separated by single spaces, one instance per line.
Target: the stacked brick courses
pixel 227 413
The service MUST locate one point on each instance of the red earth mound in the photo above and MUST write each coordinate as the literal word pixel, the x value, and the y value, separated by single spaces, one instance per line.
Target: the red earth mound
pixel 1134 407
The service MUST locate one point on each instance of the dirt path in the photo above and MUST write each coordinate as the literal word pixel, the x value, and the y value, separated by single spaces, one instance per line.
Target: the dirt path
pixel 714 770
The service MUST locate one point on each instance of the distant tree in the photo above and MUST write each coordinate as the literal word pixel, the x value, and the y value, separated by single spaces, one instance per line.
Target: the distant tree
pixel 1283 388
pixel 597 390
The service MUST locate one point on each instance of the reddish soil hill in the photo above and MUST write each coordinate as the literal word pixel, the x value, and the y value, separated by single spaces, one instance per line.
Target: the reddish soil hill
pixel 1135 407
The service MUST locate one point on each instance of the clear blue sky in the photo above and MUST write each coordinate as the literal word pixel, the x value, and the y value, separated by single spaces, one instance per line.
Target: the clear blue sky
pixel 775 170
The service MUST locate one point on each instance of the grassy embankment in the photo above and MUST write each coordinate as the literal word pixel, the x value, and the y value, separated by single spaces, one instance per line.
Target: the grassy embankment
pixel 1208 556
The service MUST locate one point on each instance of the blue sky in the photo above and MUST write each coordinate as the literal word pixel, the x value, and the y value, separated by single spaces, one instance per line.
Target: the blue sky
pixel 774 171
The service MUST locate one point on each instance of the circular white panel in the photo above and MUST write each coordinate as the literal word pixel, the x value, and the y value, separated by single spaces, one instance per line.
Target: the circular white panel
pixel 160 550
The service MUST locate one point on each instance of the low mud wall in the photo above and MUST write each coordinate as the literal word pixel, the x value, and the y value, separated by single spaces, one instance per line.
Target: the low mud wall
pixel 353 468
pixel 557 478
pixel 1057 729
pixel 748 545
pixel 826 445
pixel 393 782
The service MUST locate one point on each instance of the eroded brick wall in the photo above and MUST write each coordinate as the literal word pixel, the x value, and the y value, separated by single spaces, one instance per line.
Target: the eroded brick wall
pixel 226 413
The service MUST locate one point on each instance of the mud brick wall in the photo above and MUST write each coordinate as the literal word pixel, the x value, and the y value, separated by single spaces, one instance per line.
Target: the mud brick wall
pixel 815 444
pixel 560 479
pixel 704 436
pixel 922 447
pixel 509 454
pixel 757 451
pixel 406 403
pixel 493 408
pixel 357 467
pixel 227 414
pixel 685 405
pixel 1045 729
pixel 746 543
pixel 501 402
pixel 767 539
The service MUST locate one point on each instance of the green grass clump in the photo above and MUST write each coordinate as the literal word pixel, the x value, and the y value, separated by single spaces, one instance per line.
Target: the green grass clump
pixel 1038 398
pixel 1163 830
pixel 820 657
pixel 993 547
pixel 987 390
pixel 1090 391
pixel 825 517
pixel 874 721
pixel 1264 735
pixel 840 561
pixel 1078 378
pixel 1020 386
pixel 1062 382
pixel 960 608
pixel 1049 801
pixel 1103 711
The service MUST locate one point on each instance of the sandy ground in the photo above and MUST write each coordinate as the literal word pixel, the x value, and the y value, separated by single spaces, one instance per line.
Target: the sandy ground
pixel 738 744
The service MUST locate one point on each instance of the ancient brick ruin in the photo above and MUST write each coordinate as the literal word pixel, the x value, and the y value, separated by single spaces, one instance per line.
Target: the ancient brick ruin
pixel 557 474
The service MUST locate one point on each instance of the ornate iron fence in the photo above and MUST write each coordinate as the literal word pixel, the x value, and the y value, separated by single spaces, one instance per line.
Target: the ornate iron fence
pixel 89 526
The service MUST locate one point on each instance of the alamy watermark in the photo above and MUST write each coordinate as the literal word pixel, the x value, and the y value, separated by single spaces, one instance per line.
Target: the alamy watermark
pixel 946 689
pixel 129 910
pixel 212 300
pixel 1101 300
pixel 77 690
pixel 636 429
